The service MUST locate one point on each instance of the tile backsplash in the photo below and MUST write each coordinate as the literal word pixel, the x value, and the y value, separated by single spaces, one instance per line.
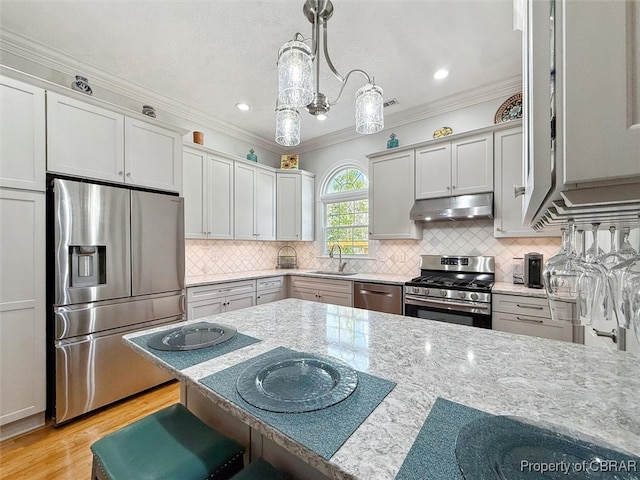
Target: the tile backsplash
pixel 398 257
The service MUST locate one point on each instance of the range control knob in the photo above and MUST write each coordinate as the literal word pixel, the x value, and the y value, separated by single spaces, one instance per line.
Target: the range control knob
pixel 426 291
pixel 443 293
pixel 416 289
pixel 462 294
pixel 474 296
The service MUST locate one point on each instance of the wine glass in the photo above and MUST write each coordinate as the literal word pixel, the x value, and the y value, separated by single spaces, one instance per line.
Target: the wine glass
pixel 594 250
pixel 592 285
pixel 560 278
pixel 626 250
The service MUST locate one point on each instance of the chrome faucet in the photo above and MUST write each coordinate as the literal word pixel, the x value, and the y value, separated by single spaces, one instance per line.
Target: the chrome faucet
pixel 340 264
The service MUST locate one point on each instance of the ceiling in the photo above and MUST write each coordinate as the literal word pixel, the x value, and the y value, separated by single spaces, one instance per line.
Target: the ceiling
pixel 205 56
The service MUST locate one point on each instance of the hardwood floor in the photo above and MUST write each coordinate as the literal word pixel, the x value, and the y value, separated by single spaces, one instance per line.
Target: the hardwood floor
pixel 63 453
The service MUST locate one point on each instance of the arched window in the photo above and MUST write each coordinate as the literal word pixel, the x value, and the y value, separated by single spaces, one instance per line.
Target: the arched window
pixel 346 211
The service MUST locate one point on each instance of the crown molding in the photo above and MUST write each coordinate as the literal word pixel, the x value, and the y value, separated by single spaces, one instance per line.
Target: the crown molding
pixel 484 93
pixel 47 57
pixel 44 56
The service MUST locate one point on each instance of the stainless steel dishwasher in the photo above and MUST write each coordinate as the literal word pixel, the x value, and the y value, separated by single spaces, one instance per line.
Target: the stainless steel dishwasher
pixel 378 296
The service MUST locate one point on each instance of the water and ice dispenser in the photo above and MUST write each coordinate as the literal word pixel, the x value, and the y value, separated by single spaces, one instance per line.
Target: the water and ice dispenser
pixel 88 265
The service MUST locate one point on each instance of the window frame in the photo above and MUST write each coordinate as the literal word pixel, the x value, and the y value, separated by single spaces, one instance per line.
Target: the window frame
pixel 348 196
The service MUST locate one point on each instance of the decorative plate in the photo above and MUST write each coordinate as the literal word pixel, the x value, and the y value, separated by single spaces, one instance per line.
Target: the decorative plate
pixel 192 337
pixel 442 132
pixel 296 382
pixel 511 448
pixel 511 109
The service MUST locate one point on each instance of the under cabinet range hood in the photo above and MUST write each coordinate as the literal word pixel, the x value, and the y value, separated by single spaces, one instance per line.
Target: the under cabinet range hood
pixel 462 207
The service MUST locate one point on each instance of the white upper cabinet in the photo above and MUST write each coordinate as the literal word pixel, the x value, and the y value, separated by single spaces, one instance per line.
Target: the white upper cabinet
pixel 208 195
pixel 255 202
pixel 457 167
pixel 153 156
pixel 90 141
pixel 433 171
pixel 84 140
pixel 22 122
pixel 295 205
pixel 472 165
pixel 507 221
pixel 582 113
pixel 391 196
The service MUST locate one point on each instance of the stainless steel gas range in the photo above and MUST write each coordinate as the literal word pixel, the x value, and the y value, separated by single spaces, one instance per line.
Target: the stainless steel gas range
pixel 453 289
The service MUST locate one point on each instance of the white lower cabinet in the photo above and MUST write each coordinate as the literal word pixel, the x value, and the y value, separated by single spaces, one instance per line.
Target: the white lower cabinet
pixel 336 292
pixel 528 316
pixel 270 289
pixel 218 298
pixel 22 311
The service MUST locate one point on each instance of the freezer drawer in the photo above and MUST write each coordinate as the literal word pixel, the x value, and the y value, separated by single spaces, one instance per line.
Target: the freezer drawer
pixel 95 370
pixel 76 320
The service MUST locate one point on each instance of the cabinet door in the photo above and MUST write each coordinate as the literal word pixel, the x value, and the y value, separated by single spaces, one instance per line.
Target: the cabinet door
pixel 244 201
pixel 153 156
pixel 334 298
pixel 288 206
pixel 22 305
pixel 22 121
pixel 265 206
pixel 220 194
pixel 391 196
pixel 237 302
pixel 84 140
pixel 601 114
pixel 304 294
pixel 268 297
pixel 195 193
pixel 472 165
pixel 204 309
pixel 433 171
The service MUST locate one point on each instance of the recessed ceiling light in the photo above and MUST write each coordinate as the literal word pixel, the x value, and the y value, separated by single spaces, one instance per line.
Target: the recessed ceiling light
pixel 440 74
pixel 243 107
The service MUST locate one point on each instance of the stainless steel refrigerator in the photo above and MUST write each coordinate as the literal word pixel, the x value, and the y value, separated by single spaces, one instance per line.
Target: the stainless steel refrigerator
pixel 118 267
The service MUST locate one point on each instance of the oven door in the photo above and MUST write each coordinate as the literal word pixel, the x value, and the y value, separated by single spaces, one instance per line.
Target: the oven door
pixel 463 313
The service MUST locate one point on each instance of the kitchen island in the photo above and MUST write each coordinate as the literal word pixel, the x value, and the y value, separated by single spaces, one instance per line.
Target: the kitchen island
pixel 593 391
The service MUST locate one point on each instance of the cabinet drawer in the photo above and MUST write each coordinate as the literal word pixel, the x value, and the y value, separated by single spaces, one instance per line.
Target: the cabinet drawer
pixel 521 305
pixel 220 290
pixel 530 325
pixel 269 284
pixel 308 283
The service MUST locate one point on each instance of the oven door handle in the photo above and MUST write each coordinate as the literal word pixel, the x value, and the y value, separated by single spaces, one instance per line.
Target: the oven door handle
pixel 422 302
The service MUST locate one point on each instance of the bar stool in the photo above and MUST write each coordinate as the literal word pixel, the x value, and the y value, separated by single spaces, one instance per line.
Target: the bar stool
pixel 259 470
pixel 167 445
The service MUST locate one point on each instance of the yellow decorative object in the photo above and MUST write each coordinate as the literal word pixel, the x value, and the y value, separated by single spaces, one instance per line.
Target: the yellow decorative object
pixel 289 162
pixel 442 132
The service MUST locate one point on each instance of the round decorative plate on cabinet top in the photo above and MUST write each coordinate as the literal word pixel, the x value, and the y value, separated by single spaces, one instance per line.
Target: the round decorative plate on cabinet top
pixel 511 109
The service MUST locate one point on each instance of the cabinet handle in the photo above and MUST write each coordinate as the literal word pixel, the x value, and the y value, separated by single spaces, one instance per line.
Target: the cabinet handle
pixel 532 307
pixel 612 334
pixel 530 320
pixel 518 190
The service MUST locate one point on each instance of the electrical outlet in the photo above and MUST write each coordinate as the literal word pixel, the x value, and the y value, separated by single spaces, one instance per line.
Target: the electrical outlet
pixel 213 256
pixel 401 257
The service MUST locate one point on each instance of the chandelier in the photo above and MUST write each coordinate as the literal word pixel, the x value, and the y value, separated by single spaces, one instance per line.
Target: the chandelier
pixel 299 81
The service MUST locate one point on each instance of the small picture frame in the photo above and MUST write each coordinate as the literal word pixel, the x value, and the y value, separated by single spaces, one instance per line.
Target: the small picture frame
pixel 289 162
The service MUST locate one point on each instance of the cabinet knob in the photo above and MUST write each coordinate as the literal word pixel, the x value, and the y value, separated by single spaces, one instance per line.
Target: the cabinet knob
pixel 498 229
pixel 448 188
pixel 120 172
pixel 453 186
pixel 129 174
pixel 518 190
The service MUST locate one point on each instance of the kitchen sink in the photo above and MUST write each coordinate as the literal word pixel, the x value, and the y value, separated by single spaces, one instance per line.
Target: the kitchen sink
pixel 333 272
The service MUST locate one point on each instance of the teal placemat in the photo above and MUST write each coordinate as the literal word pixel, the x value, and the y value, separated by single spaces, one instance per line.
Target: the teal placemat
pixel 187 358
pixel 432 455
pixel 322 431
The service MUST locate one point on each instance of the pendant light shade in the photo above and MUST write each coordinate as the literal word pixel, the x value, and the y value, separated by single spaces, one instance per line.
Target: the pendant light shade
pixel 287 125
pixel 295 74
pixel 369 109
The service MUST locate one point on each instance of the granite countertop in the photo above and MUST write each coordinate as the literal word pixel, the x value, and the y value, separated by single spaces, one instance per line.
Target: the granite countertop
pixel 507 288
pixel 199 280
pixel 590 390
